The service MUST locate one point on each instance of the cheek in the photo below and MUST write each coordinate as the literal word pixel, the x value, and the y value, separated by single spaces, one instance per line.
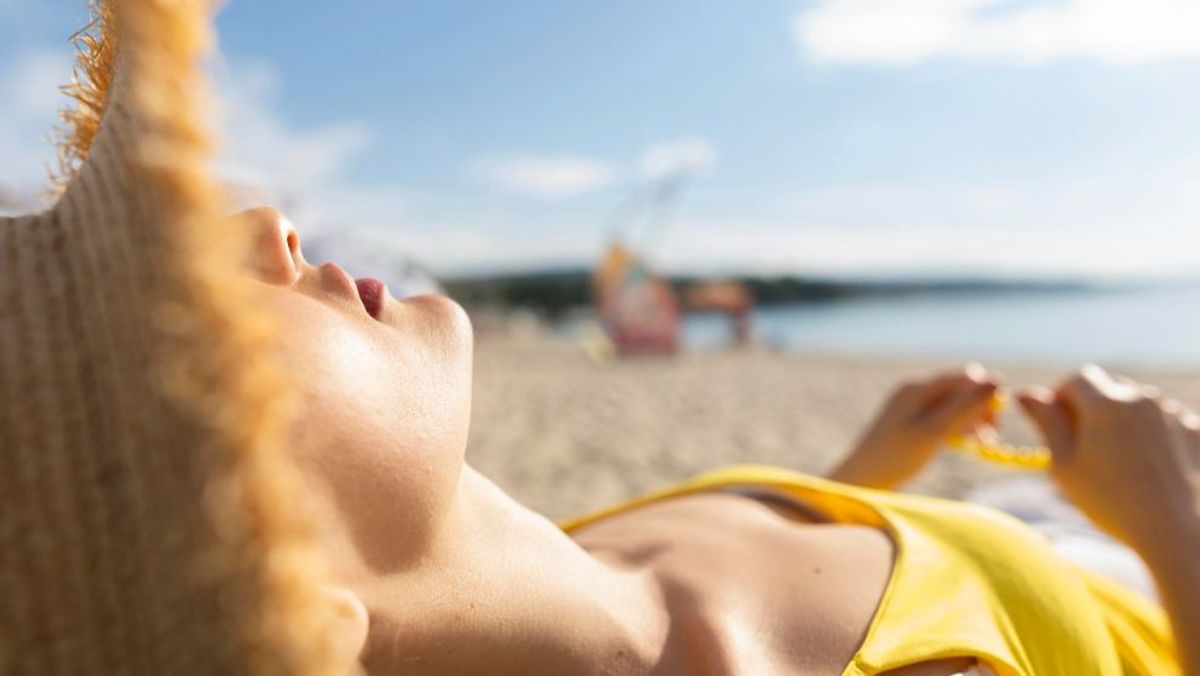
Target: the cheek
pixel 382 427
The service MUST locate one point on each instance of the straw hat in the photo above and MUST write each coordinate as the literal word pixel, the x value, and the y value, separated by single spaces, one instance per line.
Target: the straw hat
pixel 148 518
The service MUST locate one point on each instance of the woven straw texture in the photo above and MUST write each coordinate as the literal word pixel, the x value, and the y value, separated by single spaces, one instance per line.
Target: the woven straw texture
pixel 148 518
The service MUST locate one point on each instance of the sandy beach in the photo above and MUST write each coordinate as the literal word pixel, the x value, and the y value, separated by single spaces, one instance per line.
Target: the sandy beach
pixel 564 434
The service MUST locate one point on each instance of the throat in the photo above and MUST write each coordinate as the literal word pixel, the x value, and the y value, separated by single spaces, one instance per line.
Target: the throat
pixel 508 592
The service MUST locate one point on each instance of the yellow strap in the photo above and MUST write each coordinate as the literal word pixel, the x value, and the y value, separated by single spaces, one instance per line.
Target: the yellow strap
pixel 1023 457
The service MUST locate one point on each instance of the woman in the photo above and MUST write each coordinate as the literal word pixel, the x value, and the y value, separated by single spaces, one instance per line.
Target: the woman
pixel 443 572
pixel 164 372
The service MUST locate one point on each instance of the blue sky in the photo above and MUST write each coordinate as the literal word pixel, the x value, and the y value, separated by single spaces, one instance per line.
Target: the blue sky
pixel 831 136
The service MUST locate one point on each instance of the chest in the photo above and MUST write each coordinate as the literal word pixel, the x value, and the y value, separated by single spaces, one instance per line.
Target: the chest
pixel 749 589
pixel 759 587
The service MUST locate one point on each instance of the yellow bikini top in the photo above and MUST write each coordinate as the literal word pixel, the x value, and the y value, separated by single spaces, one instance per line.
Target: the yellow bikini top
pixel 967 581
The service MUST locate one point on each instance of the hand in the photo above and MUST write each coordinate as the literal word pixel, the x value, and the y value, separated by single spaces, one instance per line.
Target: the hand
pixel 1124 455
pixel 916 420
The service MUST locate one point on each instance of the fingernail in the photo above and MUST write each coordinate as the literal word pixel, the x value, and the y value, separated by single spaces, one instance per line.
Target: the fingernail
pixel 1038 393
pixel 975 371
pixel 988 434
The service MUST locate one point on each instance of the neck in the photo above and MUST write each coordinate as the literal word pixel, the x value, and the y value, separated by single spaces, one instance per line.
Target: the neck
pixel 505 591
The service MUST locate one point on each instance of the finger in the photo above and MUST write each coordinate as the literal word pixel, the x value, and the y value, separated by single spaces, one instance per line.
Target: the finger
pixel 1172 407
pixel 1190 421
pixel 1050 417
pixel 1188 424
pixel 948 384
pixel 1186 418
pixel 1090 386
pixel 963 410
pixel 998 404
pixel 975 372
pixel 1194 445
pixel 990 417
pixel 915 397
pixel 1130 386
pixel 986 434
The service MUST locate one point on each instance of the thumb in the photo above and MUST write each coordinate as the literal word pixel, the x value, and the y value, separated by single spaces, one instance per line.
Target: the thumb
pixel 1051 419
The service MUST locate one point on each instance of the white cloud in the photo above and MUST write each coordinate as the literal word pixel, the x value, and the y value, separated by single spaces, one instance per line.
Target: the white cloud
pixel 691 155
pixel 262 149
pixel 782 248
pixel 1098 227
pixel 562 176
pixel 34 80
pixel 29 88
pixel 265 158
pixel 544 176
pixel 901 32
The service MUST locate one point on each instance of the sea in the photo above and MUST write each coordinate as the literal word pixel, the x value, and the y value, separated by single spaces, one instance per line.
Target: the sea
pixel 1140 327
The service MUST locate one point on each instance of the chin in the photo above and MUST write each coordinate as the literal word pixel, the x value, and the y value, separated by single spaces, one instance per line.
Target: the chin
pixel 440 320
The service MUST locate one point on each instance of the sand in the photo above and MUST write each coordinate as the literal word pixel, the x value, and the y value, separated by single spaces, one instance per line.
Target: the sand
pixel 564 434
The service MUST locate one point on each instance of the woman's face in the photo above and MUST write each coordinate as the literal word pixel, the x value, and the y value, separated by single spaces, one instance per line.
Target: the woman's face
pixel 385 390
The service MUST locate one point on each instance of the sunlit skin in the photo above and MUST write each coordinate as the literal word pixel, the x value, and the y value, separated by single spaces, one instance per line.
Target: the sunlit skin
pixel 439 571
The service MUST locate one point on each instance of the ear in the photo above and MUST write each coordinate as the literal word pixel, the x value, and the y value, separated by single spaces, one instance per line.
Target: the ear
pixel 350 631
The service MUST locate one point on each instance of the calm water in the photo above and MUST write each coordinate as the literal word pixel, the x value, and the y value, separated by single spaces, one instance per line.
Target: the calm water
pixel 1150 327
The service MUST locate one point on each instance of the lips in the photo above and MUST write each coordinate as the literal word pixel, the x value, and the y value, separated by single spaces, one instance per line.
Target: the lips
pixel 370 292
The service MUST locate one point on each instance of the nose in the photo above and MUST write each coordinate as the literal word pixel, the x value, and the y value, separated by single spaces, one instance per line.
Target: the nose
pixel 275 253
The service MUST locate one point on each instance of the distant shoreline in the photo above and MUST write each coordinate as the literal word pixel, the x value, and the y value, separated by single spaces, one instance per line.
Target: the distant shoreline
pixel 554 294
